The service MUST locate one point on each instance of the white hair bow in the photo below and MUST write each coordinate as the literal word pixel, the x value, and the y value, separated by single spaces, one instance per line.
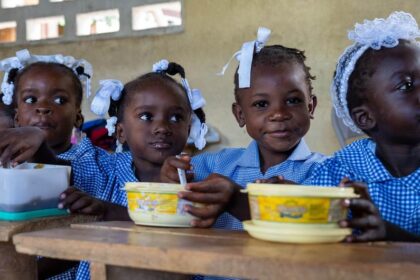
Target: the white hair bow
pixel 23 58
pixel 161 65
pixel 108 89
pixel 245 55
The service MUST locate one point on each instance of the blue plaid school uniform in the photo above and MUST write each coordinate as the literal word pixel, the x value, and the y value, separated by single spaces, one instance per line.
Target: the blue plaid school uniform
pixel 70 155
pixel 243 166
pixel 102 175
pixel 398 199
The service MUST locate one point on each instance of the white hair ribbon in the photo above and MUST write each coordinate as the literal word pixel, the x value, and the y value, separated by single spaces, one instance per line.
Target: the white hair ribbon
pixel 23 58
pixel 245 55
pixel 108 89
pixel 110 125
pixel 198 132
pixel 161 65
pixel 373 34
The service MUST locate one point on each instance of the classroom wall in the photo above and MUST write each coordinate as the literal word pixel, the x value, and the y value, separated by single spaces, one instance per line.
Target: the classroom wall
pixel 215 29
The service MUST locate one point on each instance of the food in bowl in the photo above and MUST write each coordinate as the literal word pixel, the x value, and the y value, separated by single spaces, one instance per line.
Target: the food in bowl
pixel 274 204
pixel 157 204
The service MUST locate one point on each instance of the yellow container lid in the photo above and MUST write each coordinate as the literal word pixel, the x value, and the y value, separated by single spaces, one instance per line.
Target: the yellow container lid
pixel 299 191
pixel 302 234
pixel 153 187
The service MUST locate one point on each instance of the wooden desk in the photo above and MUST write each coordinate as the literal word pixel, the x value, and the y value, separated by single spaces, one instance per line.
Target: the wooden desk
pixel 18 266
pixel 121 250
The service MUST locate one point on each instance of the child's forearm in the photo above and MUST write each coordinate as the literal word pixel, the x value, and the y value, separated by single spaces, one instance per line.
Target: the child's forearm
pixel 115 212
pixel 239 206
pixel 395 233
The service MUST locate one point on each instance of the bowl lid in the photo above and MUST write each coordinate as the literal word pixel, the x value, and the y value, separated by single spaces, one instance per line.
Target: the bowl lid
pixel 153 187
pixel 300 191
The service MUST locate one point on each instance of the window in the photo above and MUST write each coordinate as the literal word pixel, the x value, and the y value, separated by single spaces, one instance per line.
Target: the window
pixel 158 15
pixel 44 28
pixel 7 32
pixel 70 20
pixel 98 22
pixel 18 3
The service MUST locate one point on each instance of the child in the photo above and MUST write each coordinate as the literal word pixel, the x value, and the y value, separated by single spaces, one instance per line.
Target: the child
pixel 47 92
pixel 376 89
pixel 6 115
pixel 274 101
pixel 151 115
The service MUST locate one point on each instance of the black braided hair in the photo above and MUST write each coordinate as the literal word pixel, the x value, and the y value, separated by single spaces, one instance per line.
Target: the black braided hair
pixel 117 108
pixel 275 55
pixel 15 75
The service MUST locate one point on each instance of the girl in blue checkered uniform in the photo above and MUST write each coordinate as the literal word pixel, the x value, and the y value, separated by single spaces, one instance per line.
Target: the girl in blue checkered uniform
pixel 274 101
pixel 376 89
pixel 47 93
pixel 153 116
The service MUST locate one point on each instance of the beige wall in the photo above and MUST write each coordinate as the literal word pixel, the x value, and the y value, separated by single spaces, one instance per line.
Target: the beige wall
pixel 215 29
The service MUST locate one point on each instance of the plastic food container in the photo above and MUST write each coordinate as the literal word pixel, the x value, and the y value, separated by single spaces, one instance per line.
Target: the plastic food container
pixel 302 233
pixel 32 190
pixel 274 205
pixel 157 204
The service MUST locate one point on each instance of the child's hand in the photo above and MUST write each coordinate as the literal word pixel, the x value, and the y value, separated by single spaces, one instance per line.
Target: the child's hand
pixel 214 193
pixel 79 202
pixel 275 180
pixel 365 215
pixel 20 144
pixel 169 172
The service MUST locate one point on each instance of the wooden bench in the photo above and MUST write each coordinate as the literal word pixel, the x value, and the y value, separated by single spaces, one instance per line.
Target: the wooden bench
pixel 121 250
pixel 18 266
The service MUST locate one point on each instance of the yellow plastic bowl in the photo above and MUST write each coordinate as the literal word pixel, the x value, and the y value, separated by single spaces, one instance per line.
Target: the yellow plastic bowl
pixel 273 205
pixel 157 204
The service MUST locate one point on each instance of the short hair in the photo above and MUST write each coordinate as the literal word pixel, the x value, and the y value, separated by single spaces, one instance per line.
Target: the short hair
pixel 15 75
pixel 275 55
pixel 117 107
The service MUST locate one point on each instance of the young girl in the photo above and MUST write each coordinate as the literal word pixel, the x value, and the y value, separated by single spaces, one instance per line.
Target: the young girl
pixel 274 101
pixel 153 116
pixel 47 93
pixel 376 89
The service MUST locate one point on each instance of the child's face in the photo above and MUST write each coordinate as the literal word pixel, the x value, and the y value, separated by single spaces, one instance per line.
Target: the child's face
pixel 277 108
pixel 156 122
pixel 46 98
pixel 392 109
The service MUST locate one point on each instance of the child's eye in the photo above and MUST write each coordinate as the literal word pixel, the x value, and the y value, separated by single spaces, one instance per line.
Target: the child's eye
pixel 293 101
pixel 406 86
pixel 176 118
pixel 260 104
pixel 145 116
pixel 60 100
pixel 29 99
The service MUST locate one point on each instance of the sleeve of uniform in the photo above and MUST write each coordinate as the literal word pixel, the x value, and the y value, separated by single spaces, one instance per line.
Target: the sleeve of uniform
pixel 90 168
pixel 203 165
pixel 328 173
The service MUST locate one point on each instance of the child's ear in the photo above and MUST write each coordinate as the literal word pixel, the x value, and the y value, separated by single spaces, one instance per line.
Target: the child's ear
pixel 363 117
pixel 16 118
pixel 120 133
pixel 313 101
pixel 238 113
pixel 79 120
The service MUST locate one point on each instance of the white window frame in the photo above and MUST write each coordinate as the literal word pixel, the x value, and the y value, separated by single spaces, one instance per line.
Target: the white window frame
pixel 70 9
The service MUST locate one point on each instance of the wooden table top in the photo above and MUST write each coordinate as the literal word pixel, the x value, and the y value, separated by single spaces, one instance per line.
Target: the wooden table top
pixel 10 228
pixel 224 253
